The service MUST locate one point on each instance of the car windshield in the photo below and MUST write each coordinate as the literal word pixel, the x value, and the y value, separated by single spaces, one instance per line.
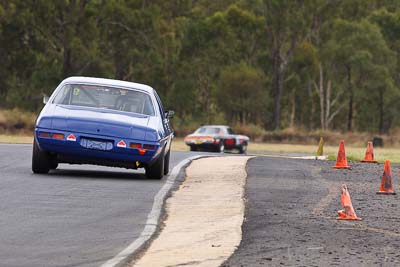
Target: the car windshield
pixel 209 130
pixel 105 97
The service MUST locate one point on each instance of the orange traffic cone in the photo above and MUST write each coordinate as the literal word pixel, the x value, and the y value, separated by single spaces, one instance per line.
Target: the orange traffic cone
pixel 341 161
pixel 386 184
pixel 369 153
pixel 348 212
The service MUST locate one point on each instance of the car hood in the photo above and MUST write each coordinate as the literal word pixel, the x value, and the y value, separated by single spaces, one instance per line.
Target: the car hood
pixel 98 121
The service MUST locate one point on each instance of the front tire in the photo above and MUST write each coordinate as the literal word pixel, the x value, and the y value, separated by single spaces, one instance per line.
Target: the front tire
pixel 156 170
pixel 40 160
pixel 243 149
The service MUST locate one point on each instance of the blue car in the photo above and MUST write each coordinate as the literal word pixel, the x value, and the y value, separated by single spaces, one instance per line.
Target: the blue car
pixel 103 122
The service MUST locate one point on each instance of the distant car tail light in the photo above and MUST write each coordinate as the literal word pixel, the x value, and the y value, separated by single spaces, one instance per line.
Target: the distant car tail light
pixel 121 144
pixel 241 140
pixel 71 137
pixel 135 145
pixel 58 136
pixel 142 151
pixel 216 141
pixel 149 147
pixel 44 134
pixel 229 142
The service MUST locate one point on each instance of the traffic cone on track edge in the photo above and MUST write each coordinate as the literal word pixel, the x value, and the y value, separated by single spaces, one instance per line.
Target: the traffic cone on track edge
pixel 348 212
pixel 341 161
pixel 369 154
pixel 386 184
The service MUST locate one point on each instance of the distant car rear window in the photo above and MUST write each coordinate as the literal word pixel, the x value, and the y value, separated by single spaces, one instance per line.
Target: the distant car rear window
pixel 105 97
pixel 209 130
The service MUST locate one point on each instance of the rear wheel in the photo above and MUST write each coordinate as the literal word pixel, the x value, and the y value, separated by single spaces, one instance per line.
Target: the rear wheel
pixel 40 160
pixel 53 165
pixel 166 162
pixel 221 147
pixel 156 170
pixel 193 148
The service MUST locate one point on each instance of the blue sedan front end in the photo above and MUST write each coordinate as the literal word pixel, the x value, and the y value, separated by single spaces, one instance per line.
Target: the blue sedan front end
pixel 103 122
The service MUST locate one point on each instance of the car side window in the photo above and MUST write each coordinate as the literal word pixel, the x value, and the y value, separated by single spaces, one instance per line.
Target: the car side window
pixel 63 96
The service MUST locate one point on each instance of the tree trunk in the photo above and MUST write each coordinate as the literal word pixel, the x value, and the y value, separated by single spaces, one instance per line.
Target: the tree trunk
pixel 277 90
pixel 381 128
pixel 310 93
pixel 67 61
pixel 119 66
pixel 351 98
pixel 328 105
pixel 350 114
pixel 293 111
pixel 321 98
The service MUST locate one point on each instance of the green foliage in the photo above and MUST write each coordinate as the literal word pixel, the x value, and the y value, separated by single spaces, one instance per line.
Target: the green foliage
pixel 267 63
pixel 241 94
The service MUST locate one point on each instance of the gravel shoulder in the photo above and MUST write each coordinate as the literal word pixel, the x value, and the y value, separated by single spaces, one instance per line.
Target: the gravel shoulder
pixel 291 210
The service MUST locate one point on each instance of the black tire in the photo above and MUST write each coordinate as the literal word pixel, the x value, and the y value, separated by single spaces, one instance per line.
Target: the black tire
pixel 221 147
pixel 40 160
pixel 243 149
pixel 193 148
pixel 156 170
pixel 166 162
pixel 53 164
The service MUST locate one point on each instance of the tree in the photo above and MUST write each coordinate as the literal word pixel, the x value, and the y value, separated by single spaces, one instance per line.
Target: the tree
pixel 288 23
pixel 356 50
pixel 241 95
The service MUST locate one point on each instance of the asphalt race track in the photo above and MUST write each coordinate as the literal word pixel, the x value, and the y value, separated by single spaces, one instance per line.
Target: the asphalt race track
pixel 86 215
pixel 78 215
pixel 291 212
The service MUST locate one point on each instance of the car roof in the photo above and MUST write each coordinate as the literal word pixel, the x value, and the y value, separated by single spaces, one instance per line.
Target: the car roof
pixel 215 126
pixel 110 82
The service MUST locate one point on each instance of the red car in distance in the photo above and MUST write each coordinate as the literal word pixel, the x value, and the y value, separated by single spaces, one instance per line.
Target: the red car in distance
pixel 216 138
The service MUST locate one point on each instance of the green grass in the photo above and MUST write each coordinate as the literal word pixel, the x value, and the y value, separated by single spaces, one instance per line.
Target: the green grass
pixel 352 152
pixel 16 139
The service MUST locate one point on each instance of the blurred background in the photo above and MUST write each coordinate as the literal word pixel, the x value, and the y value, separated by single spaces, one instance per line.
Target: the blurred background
pixel 277 71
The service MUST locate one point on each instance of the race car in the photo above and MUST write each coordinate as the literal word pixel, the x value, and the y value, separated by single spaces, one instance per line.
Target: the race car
pixel 103 122
pixel 217 138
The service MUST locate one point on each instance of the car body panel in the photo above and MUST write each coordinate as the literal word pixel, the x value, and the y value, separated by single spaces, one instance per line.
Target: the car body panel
pixel 211 140
pixel 105 129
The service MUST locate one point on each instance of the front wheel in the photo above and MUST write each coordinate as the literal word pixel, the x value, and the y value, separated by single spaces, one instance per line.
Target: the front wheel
pixel 156 170
pixel 243 149
pixel 40 160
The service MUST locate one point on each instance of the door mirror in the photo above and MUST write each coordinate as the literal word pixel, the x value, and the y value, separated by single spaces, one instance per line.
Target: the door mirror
pixel 170 114
pixel 45 99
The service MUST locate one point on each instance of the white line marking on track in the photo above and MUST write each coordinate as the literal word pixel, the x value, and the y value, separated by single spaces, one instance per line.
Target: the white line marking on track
pixel 152 218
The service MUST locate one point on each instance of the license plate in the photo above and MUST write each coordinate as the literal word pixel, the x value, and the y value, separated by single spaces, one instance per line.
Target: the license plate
pixel 198 142
pixel 95 144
